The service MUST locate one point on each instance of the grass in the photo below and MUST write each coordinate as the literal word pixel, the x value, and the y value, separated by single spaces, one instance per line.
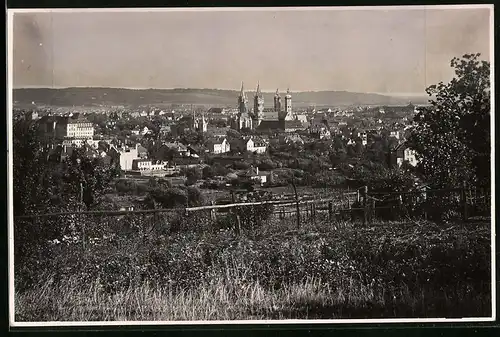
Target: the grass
pixel 223 299
pixel 322 271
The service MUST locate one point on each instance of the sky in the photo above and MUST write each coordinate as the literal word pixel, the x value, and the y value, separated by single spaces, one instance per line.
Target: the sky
pixel 396 51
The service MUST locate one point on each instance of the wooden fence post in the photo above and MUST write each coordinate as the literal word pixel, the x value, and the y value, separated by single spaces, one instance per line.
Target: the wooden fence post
pixel 237 216
pixel 464 201
pixel 373 214
pixel 296 204
pixel 400 206
pixel 212 212
pixel 80 220
pixel 357 195
pixel 313 209
pixel 365 205
pixel 238 221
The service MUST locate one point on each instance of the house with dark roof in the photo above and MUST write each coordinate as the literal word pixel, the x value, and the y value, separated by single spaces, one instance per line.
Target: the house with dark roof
pixel 142 152
pixel 293 125
pixel 179 147
pixel 184 162
pixel 195 151
pixel 291 139
pixel 217 131
pixel 249 144
pixel 253 174
pixel 270 125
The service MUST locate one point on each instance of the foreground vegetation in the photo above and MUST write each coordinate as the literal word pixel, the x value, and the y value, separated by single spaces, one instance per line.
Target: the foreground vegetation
pixel 323 271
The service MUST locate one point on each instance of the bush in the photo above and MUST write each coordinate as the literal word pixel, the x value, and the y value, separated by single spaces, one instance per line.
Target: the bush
pixel 195 196
pixel 169 198
pixel 241 165
pixel 193 175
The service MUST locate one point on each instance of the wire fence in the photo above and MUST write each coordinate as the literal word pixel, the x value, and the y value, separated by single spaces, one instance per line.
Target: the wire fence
pixel 360 206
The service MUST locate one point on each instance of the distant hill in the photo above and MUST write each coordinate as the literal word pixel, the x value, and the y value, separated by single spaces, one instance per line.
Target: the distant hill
pixel 214 97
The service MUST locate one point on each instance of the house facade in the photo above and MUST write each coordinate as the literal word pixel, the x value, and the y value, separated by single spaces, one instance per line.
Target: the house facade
pixel 147 165
pixel 218 146
pixel 80 128
pixel 126 156
pixel 255 146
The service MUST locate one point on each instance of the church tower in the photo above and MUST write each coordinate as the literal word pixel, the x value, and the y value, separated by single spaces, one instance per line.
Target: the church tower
pixel 242 101
pixel 243 120
pixel 203 126
pixel 288 103
pixel 258 106
pixel 277 101
pixel 194 126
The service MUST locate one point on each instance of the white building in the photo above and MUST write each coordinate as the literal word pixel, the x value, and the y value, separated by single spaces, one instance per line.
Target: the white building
pixel 79 128
pixel 145 131
pixel 255 146
pixel 394 134
pixel 125 155
pixel 141 164
pixel 254 174
pixel 364 138
pixel 219 145
pixel 410 156
pixel 301 118
pixel 70 142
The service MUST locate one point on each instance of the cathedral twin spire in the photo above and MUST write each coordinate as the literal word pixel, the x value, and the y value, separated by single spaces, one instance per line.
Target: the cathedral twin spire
pixel 259 100
pixel 258 92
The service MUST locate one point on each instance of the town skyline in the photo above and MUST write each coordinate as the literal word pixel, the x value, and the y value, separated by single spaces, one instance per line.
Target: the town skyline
pixel 397 52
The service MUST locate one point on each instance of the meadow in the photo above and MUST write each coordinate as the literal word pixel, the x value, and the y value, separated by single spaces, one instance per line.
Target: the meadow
pixel 182 267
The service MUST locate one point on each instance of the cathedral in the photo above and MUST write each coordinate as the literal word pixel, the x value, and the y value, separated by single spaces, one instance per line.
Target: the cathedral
pixel 254 119
pixel 199 124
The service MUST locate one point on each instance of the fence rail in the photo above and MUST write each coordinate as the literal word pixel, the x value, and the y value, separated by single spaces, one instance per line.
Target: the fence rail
pixel 359 204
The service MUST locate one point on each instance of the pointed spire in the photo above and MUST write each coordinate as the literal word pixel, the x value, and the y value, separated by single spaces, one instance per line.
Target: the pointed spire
pixel 258 88
pixel 242 92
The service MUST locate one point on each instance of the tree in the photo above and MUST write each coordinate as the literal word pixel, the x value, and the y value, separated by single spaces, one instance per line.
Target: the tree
pixel 30 169
pixel 452 136
pixel 195 196
pixel 86 178
pixel 193 175
pixel 219 170
pixel 43 185
pixel 208 172
pixel 167 198
pixel 233 134
pixel 192 137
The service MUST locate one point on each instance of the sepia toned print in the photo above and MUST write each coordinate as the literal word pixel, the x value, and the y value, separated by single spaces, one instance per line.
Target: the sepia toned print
pixel 251 165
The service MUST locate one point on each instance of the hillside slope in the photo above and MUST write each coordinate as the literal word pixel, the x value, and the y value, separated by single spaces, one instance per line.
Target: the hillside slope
pixel 131 97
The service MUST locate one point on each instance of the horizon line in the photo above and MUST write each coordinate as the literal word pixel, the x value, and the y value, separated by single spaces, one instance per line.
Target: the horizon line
pixel 391 94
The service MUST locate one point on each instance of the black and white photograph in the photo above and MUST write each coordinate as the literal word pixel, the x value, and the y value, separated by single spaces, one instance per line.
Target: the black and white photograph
pixel 251 165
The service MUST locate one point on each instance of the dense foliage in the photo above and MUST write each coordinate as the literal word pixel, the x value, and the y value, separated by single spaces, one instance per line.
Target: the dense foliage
pixel 396 263
pixel 452 136
pixel 45 184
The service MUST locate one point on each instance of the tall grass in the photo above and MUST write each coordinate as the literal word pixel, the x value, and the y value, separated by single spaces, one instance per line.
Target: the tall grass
pixel 222 299
pixel 322 270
